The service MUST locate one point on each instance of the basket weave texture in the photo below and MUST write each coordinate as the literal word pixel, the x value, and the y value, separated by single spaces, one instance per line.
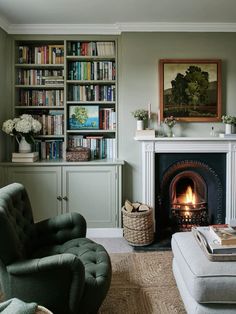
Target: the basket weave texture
pixel 138 227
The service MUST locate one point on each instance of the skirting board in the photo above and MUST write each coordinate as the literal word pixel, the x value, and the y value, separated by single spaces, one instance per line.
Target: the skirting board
pixel 104 233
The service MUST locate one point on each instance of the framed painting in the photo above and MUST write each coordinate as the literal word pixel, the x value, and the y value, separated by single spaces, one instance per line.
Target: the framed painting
pixel 83 117
pixel 190 89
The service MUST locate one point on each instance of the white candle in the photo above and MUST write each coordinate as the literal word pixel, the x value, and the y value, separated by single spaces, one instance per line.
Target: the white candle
pixel 159 117
pixel 149 111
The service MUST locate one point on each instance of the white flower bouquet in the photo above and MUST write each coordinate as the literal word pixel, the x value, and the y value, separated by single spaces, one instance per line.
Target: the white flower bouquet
pixel 170 121
pixel 24 126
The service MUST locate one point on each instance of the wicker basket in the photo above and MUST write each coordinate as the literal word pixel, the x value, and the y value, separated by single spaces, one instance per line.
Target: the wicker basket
pixel 138 227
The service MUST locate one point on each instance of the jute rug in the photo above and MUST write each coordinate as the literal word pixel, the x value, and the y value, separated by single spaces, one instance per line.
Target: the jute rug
pixel 142 283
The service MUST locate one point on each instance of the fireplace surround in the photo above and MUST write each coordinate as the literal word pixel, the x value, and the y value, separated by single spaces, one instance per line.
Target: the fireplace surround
pixel 153 147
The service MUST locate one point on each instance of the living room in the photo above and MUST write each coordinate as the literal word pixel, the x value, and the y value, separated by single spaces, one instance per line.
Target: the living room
pixel 144 33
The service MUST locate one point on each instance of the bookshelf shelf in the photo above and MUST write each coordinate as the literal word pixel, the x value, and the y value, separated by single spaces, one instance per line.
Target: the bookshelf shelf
pixel 93 82
pixel 40 86
pixel 39 66
pixel 90 131
pixel 40 107
pixel 91 102
pixel 95 58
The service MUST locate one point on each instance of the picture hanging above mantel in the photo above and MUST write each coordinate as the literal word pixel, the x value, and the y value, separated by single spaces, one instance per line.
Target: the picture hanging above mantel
pixel 190 89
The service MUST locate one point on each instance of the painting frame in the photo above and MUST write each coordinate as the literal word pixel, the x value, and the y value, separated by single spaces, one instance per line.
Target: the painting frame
pixel 83 117
pixel 181 102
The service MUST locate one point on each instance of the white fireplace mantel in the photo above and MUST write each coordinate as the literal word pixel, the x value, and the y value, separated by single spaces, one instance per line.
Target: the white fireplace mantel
pixel 152 146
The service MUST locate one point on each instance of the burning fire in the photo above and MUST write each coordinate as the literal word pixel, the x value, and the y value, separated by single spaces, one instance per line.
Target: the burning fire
pixel 188 198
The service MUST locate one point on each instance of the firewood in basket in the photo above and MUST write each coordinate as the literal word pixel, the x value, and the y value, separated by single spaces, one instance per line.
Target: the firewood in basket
pixel 143 208
pixel 136 206
pixel 128 206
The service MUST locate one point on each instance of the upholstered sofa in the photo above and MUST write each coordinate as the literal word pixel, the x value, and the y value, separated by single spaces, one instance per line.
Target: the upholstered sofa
pixel 206 287
pixel 50 262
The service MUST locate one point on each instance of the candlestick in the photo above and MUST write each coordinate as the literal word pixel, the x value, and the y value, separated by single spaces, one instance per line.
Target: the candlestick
pixel 159 117
pixel 149 111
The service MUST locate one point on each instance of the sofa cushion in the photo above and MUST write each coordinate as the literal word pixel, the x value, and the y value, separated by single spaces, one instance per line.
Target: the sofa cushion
pixel 207 282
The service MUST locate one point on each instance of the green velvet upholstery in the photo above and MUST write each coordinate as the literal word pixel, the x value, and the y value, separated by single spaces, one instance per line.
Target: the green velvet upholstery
pixel 50 262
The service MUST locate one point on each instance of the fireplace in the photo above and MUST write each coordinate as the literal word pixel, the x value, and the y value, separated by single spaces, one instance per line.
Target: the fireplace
pixel 207 165
pixel 189 189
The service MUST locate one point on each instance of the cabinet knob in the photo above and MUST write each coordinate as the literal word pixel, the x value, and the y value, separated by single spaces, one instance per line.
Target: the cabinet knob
pixel 65 198
pixel 59 198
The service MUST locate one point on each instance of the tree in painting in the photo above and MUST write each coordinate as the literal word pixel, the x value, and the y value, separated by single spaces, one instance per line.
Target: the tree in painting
pixel 191 88
pixel 81 114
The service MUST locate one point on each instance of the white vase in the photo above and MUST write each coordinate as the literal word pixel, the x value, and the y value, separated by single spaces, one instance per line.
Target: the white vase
pixel 24 146
pixel 140 125
pixel 228 128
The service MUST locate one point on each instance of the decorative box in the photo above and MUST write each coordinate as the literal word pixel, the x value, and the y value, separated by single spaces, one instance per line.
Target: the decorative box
pixel 78 154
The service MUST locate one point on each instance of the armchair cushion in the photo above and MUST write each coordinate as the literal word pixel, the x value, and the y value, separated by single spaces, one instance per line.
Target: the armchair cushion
pixel 60 229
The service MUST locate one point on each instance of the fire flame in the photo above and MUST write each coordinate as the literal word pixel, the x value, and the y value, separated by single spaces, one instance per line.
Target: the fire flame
pixel 188 198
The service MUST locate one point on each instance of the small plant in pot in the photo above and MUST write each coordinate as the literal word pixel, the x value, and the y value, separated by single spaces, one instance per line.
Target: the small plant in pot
pixel 229 122
pixel 140 115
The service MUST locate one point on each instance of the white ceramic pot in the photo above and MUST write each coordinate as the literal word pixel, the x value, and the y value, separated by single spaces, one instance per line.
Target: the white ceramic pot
pixel 24 147
pixel 140 125
pixel 228 128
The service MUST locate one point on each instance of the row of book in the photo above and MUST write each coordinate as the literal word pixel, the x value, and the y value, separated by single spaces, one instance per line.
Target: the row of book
pixel 54 97
pixel 92 70
pixel 92 93
pixel 101 148
pixel 99 48
pixel 49 149
pixel 47 54
pixel 39 77
pixel 107 119
pixel 52 123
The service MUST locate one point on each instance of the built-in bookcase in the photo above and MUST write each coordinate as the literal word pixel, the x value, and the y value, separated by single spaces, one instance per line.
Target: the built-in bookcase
pixel 91 96
pixel 70 87
pixel 40 91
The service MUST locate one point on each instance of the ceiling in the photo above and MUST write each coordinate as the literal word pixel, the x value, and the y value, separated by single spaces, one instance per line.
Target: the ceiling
pixel 120 15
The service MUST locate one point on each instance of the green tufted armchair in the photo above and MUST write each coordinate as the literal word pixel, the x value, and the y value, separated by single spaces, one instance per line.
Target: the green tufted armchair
pixel 50 262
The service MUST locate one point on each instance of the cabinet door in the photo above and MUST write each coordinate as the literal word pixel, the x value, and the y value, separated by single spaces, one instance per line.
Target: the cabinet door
pixel 43 185
pixel 91 191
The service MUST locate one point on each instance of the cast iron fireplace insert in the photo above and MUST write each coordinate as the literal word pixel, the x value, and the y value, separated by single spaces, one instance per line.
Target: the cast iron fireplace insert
pixel 189 190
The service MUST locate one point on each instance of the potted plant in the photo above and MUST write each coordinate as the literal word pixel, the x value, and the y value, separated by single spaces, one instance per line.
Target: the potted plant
pixel 170 122
pixel 23 128
pixel 229 122
pixel 140 115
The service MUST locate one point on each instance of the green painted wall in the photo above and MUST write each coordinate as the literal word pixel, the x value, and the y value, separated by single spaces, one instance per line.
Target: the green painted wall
pixel 5 89
pixel 139 85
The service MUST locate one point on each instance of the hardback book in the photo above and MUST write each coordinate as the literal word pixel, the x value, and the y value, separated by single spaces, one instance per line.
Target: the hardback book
pixel 212 243
pixel 145 133
pixel 25 155
pixel 225 236
pixel 25 159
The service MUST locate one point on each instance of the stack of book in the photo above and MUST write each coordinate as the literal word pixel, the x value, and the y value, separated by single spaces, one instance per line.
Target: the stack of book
pixel 25 157
pixel 219 239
